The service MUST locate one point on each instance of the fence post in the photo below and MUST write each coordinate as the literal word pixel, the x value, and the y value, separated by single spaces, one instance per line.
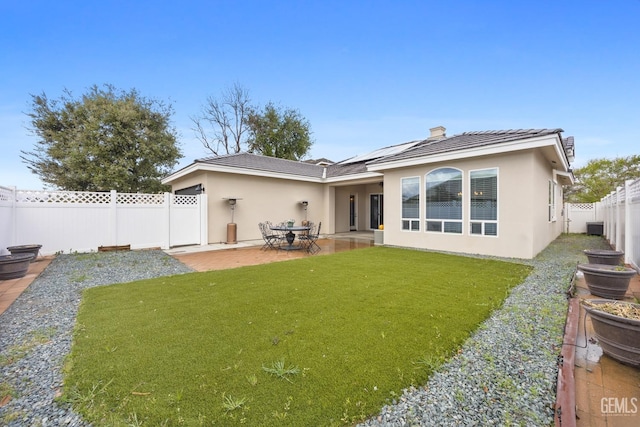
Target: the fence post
pixel 166 240
pixel 618 218
pixel 628 223
pixel 204 219
pixel 14 216
pixel 113 217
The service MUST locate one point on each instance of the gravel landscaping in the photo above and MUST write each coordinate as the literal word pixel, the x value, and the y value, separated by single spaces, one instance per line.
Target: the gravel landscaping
pixel 36 330
pixel 504 374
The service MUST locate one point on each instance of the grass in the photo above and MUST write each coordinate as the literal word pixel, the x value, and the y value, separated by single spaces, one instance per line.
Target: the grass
pixel 317 341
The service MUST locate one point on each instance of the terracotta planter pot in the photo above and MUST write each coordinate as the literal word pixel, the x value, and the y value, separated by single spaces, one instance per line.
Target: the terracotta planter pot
pixel 25 249
pixel 604 256
pixel 619 337
pixel 14 266
pixel 607 281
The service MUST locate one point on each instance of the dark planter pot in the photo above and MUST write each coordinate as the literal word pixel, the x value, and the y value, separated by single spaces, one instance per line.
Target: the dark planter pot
pixel 25 249
pixel 607 281
pixel 619 337
pixel 14 266
pixel 604 256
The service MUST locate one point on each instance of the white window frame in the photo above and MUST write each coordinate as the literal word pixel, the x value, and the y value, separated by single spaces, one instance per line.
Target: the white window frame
pixel 444 221
pixel 552 200
pixel 413 223
pixel 483 222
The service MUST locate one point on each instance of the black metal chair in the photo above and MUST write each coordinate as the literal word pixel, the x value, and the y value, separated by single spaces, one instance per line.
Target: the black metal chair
pixel 271 239
pixel 310 239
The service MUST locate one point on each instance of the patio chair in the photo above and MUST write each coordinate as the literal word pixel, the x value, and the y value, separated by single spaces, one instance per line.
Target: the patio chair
pixel 309 240
pixel 271 239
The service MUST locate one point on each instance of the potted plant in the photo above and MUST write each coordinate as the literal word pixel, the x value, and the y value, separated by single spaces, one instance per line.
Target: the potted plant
pixel 14 266
pixel 617 327
pixel 604 256
pixel 607 281
pixel 25 249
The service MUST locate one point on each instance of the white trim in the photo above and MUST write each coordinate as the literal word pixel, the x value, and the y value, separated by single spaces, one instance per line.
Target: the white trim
pixel 497 220
pixel 562 176
pixel 419 218
pixel 353 177
pixel 443 220
pixel 203 167
pixel 498 148
pixel 196 167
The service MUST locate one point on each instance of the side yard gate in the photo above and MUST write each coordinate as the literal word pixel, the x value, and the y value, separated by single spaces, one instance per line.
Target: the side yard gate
pixel 68 221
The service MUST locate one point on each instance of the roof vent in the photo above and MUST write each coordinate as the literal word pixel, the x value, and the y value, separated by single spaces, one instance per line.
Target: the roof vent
pixel 438 132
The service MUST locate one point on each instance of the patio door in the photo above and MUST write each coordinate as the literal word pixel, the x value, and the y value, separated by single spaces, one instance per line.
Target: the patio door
pixel 352 213
pixel 376 203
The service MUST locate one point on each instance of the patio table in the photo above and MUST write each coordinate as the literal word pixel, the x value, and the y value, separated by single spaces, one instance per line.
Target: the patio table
pixel 290 235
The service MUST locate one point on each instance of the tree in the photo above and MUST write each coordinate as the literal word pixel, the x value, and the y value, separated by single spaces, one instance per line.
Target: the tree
pixel 278 132
pixel 600 177
pixel 105 140
pixel 222 126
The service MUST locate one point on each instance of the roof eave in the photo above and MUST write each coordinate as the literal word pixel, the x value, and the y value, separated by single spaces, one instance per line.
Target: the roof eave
pixel 353 177
pixel 206 167
pixel 511 146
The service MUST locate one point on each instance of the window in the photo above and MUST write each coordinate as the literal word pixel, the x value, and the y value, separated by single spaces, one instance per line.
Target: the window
pixel 552 201
pixel 411 204
pixel 483 202
pixel 444 201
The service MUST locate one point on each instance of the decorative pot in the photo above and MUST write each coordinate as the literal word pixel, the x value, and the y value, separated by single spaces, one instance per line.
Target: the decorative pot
pixel 25 249
pixel 604 256
pixel 607 281
pixel 14 266
pixel 619 336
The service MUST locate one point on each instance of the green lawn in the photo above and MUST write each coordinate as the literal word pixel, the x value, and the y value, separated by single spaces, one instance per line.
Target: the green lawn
pixel 324 340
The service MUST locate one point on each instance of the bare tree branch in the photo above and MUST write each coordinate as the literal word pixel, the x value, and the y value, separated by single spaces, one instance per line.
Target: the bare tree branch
pixel 222 126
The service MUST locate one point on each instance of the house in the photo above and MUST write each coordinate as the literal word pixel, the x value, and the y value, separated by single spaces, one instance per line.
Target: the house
pixel 492 192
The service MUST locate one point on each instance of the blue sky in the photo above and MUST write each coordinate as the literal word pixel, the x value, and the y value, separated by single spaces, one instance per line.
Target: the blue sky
pixel 366 74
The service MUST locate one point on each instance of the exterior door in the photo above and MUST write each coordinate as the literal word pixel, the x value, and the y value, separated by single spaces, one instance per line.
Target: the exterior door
pixel 377 208
pixel 352 213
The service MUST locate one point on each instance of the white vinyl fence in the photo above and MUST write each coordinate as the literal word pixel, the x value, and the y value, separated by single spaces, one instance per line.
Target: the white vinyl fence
pixel 619 212
pixel 70 221
pixel 577 215
pixel 622 220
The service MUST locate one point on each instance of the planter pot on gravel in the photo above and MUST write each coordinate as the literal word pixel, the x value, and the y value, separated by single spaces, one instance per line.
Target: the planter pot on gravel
pixel 618 335
pixel 25 249
pixel 14 266
pixel 604 256
pixel 607 281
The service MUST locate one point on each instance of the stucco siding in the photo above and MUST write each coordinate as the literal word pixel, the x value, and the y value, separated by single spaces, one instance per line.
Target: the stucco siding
pixel 545 231
pixel 262 199
pixel 516 209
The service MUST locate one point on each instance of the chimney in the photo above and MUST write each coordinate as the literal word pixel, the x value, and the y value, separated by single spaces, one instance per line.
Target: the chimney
pixel 438 132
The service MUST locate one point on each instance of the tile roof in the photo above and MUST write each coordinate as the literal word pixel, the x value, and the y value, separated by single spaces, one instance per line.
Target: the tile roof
pixel 342 169
pixel 255 162
pixel 261 163
pixel 414 149
pixel 466 140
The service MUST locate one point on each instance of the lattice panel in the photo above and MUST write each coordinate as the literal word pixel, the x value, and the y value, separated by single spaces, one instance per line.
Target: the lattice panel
pixel 634 190
pixel 583 206
pixel 140 199
pixel 84 197
pixel 185 200
pixel 5 195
